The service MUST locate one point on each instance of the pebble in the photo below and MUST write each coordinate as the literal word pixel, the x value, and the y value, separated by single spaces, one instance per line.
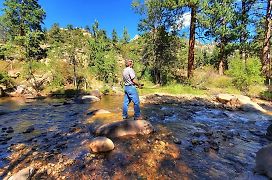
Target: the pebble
pixel 177 141
pixel 195 142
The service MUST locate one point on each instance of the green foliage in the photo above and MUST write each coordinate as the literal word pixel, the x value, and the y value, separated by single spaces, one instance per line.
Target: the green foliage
pixel 245 74
pixel 126 36
pixel 22 16
pixel 5 80
pixel 267 95
pixel 54 35
pixel 32 45
pixel 160 55
pixel 114 36
pixel 207 77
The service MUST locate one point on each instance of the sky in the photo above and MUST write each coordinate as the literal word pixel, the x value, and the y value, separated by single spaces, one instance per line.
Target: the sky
pixel 109 13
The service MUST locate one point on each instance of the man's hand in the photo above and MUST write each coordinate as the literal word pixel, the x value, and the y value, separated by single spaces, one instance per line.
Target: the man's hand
pixel 140 86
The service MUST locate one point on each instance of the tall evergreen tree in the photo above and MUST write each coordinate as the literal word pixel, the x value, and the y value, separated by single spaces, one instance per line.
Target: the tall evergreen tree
pixel 158 54
pixel 126 37
pixel 21 16
pixel 54 34
pixel 266 55
pixel 114 36
pixel 243 20
pixel 217 18
pixel 194 6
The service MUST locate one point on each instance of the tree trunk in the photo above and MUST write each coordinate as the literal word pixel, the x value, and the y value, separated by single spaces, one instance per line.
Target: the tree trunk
pixel 191 52
pixel 266 45
pixel 74 71
pixel 221 67
pixel 243 32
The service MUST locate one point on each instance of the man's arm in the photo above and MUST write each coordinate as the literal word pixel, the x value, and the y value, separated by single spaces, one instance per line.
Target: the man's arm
pixel 136 82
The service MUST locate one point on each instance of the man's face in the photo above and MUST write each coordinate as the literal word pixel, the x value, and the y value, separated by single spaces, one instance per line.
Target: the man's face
pixel 131 63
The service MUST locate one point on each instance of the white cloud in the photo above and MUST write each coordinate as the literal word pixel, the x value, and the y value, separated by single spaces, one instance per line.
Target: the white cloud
pixel 184 20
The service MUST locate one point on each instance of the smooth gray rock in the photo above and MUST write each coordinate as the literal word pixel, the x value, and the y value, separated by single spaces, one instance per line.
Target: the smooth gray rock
pixel 101 144
pixel 124 128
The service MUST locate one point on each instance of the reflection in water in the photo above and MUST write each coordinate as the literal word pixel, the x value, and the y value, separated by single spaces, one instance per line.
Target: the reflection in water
pixel 195 141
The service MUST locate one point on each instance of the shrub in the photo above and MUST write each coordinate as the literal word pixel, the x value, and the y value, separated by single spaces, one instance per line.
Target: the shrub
pixel 245 73
pixel 207 76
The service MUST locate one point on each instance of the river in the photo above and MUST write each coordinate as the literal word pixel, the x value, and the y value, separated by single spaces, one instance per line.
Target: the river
pixel 192 140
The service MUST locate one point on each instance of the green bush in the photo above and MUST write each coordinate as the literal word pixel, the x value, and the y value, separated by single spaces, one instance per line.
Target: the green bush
pixel 245 73
pixel 267 95
pixel 5 80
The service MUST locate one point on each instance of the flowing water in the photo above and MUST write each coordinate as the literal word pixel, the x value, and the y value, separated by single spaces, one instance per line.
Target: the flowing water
pixel 191 140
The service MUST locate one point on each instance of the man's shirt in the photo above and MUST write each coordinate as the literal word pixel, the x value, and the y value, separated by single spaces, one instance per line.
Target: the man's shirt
pixel 128 75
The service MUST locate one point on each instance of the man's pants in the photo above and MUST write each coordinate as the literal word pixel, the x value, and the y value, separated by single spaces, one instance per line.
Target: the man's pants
pixel 131 94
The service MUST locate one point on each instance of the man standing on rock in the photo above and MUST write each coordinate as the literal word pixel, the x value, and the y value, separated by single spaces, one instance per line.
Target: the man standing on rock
pixel 131 94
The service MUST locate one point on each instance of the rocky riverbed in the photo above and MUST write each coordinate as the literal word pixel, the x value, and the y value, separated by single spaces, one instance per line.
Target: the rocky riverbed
pixel 195 138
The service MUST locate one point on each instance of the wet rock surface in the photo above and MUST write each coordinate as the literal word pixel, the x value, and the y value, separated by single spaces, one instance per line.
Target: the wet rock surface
pixel 195 138
pixel 125 128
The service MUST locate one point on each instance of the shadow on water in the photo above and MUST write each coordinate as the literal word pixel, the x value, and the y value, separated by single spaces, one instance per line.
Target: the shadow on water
pixel 194 139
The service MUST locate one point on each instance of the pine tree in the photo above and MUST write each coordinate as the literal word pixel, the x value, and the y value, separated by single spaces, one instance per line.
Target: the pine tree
pixel 160 49
pixel 266 59
pixel 114 36
pixel 21 16
pixel 217 18
pixel 126 37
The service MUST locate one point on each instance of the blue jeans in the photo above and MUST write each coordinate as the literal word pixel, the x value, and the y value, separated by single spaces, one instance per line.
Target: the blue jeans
pixel 131 94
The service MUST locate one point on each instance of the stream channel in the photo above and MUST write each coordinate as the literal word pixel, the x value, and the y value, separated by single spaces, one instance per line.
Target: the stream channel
pixel 193 140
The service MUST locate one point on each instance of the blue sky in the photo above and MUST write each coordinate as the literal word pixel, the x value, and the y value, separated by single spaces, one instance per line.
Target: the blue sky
pixel 109 13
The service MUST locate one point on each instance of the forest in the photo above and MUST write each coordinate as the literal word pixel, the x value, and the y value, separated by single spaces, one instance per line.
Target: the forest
pixel 227 49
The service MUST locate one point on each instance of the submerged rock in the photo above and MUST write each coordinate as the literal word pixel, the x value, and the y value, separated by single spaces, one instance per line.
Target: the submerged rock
pixel 264 161
pixel 86 99
pixel 29 129
pixel 23 174
pixel 124 128
pixel 101 144
pixel 98 112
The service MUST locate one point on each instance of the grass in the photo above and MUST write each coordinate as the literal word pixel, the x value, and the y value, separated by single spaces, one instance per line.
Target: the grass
pixel 171 89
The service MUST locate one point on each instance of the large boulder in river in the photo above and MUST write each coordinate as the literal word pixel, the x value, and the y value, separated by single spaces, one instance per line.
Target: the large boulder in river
pixel 96 93
pixel 264 161
pixel 224 98
pixel 101 144
pixel 124 128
